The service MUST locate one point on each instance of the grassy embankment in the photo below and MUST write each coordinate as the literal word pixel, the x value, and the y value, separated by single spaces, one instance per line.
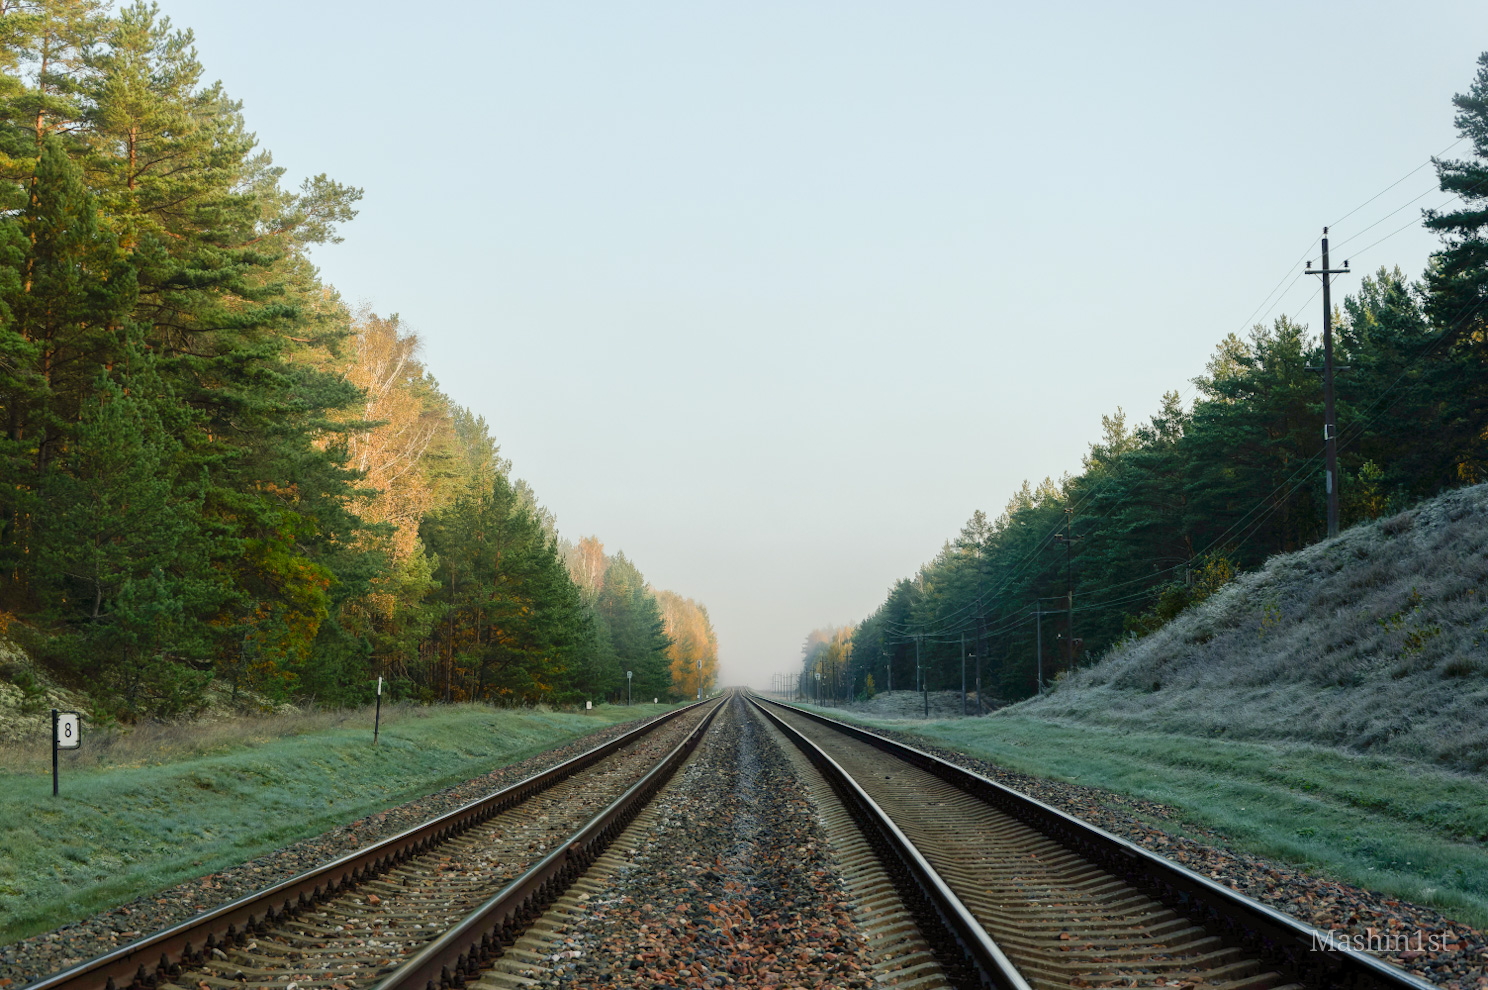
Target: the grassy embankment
pixel 143 811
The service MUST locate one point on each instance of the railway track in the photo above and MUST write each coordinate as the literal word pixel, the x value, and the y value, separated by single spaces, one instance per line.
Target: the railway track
pixel 416 908
pixel 1017 894
pixel 901 950
pixel 532 956
pixel 958 881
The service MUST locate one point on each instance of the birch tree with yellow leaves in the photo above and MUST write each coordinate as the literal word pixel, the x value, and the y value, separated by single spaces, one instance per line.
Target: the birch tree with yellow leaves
pixel 403 415
pixel 694 648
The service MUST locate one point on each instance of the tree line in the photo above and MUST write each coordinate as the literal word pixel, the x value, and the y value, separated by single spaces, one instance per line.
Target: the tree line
pixel 1164 512
pixel 212 471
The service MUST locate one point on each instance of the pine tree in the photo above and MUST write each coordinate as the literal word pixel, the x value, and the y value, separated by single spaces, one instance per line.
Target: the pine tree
pixel 1395 392
pixel 70 294
pixel 120 552
pixel 1458 287
pixel 514 624
pixel 637 630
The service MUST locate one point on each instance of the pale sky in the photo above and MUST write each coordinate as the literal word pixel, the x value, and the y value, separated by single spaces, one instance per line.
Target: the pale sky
pixel 773 296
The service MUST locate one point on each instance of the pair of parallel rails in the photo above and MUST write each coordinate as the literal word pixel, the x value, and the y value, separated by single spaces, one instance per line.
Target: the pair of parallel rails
pixel 1273 948
pixel 969 956
pixel 447 960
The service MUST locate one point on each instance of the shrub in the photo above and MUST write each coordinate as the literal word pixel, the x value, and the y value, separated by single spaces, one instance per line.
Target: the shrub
pixel 1214 573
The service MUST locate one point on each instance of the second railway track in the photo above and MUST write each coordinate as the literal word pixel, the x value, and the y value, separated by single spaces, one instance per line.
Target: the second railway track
pixel 1056 902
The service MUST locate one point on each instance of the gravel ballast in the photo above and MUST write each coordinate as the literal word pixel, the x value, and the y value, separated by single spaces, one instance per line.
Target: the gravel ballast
pixel 732 887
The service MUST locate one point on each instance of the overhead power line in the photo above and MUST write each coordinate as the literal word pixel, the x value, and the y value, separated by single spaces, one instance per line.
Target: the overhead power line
pixel 1255 516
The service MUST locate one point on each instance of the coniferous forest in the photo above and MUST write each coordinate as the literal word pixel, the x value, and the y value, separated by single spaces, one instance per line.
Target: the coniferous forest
pixel 1166 511
pixel 212 470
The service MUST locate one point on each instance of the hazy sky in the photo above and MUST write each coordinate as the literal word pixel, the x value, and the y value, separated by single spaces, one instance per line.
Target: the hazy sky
pixel 773 296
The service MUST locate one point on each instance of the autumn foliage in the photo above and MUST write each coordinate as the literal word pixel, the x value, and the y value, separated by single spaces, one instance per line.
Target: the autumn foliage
pixel 692 655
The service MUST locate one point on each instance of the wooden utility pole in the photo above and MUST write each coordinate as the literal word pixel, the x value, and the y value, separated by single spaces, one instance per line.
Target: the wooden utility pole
pixel 1069 539
pixel 1038 622
pixel 924 681
pixel 850 688
pixel 976 658
pixel 1330 420
pixel 963 675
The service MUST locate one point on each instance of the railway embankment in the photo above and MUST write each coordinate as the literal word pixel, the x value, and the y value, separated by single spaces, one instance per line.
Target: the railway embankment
pixel 160 823
pixel 1374 643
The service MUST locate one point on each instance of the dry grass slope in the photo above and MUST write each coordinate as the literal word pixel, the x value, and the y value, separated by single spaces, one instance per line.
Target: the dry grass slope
pixel 1376 641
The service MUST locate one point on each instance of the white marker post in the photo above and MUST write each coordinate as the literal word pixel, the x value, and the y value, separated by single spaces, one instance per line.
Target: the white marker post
pixel 66 734
pixel 628 698
pixel 377 718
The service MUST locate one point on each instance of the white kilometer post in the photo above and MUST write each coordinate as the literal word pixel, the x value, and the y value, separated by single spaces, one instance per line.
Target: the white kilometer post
pixel 67 733
pixel 68 736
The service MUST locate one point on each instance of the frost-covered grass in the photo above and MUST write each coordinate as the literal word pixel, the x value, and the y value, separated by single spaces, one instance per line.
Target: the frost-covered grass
pixel 1374 642
pixel 1385 823
pixel 175 802
pixel 168 742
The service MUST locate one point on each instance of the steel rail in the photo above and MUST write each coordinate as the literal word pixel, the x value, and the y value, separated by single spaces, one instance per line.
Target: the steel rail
pixel 145 963
pixel 482 937
pixel 982 962
pixel 1303 953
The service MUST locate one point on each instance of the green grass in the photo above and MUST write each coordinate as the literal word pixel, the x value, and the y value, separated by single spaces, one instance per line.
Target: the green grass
pixel 1387 824
pixel 120 831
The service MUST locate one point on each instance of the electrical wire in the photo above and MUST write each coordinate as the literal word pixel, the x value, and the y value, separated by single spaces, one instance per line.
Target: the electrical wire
pixel 1397 182
pixel 1266 505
